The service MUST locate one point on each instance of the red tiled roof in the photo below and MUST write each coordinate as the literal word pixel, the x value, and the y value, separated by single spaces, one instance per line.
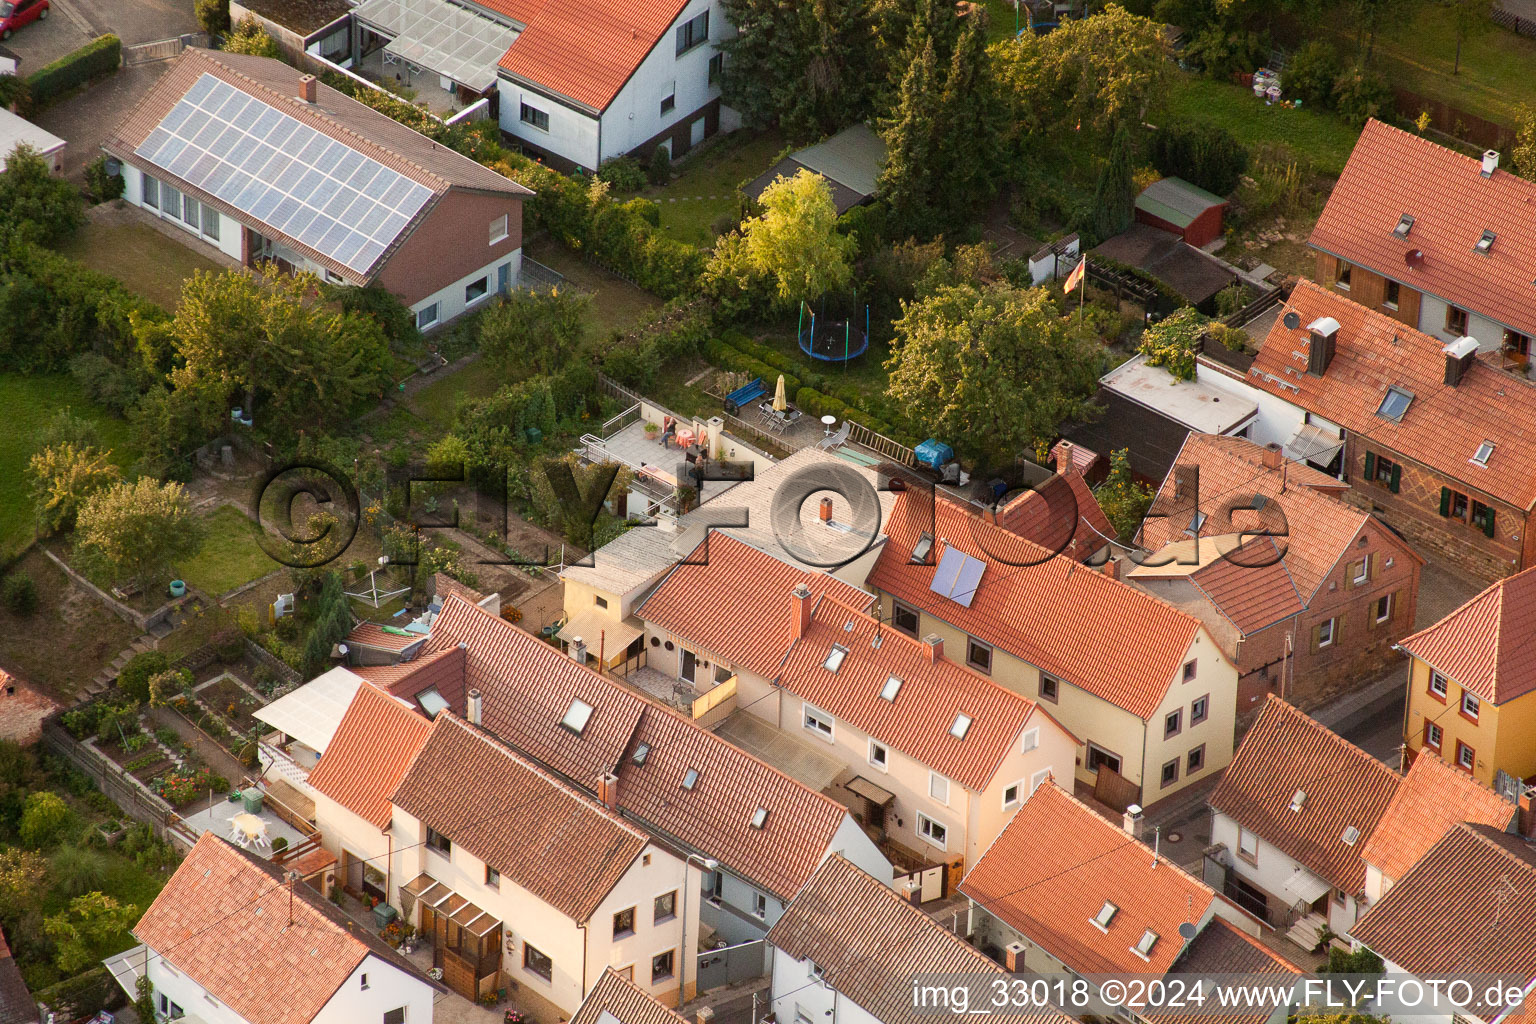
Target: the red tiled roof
pixel 443 669
pixel 371 634
pixel 1315 529
pixel 587 53
pixel 1488 645
pixel 1118 643
pixel 16 1003
pixel 1443 425
pixel 223 919
pixel 375 742
pixel 715 816
pixel 1061 515
pixel 1285 752
pixel 1221 948
pixel 1432 798
pixel 561 845
pixel 1392 172
pixel 919 720
pixel 869 943
pixel 1468 907
pixel 626 1001
pixel 732 599
pixel 527 688
pixel 1253 588
pixel 22 709
pixel 443 585
pixel 1052 891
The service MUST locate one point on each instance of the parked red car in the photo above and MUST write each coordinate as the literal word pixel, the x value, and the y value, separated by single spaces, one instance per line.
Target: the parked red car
pixel 16 13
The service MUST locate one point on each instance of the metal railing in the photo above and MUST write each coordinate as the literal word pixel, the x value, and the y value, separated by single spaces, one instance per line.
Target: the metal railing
pixel 659 506
pixel 619 422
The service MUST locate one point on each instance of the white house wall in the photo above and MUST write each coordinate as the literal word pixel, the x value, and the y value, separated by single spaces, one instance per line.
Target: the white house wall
pixel 228 241
pixel 1432 310
pixel 181 989
pixel 389 988
pixel 635 114
pixel 450 300
pixel 1273 868
pixel 799 997
pixel 572 134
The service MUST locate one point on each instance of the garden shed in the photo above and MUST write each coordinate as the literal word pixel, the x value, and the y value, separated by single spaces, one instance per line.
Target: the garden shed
pixel 850 161
pixel 1187 210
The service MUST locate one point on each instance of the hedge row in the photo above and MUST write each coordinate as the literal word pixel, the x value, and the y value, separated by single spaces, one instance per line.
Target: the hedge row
pixel 83 995
pixel 100 56
pixel 728 357
pixel 870 406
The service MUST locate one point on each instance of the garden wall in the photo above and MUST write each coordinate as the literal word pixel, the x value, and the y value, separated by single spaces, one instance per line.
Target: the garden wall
pixel 130 798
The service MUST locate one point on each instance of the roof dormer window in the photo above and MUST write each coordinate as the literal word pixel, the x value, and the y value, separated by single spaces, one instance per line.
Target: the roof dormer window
pixel 835 658
pixel 577 716
pixel 1148 942
pixel 1394 404
pixel 1105 915
pixel 1484 244
pixel 1484 451
pixel 1404 225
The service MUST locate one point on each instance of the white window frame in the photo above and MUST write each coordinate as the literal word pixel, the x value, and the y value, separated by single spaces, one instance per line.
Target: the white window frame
pixel 883 761
pixel 925 828
pixel 1434 737
pixel 484 282
pixel 1329 625
pixel 1017 787
pixel 817 722
pixel 1467 697
pixel 1383 616
pixel 1444 689
pixel 1243 834
pixel 1031 741
pixel 434 308
pixel 938 788
pixel 499 230
pixel 525 108
pixel 759 905
pixel 1038 779
pixel 1461 748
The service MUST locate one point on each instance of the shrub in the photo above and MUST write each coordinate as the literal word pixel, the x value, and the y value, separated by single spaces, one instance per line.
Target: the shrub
pixel 623 173
pixel 134 678
pixel 279 844
pixel 106 382
pixel 81 996
pixel 81 722
pixel 101 185
pixel 1201 153
pixel 1360 94
pixel 659 170
pixel 19 594
pixel 250 38
pixel 1311 73
pixel 1222 53
pixel 44 817
pixel 163 687
pixel 76 871
pixel 213 16
pixel 228 645
pixel 100 56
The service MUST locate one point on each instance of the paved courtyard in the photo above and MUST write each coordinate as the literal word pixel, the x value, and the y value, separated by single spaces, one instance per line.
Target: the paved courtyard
pixel 73 23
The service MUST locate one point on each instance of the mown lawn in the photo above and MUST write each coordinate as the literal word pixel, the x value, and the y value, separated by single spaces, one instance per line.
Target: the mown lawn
pixel 28 402
pixel 230 554
pixel 1318 137
pixel 143 259
pixel 705 187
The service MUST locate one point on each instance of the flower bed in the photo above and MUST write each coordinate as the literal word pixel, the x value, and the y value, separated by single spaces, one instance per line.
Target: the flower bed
pixel 232 702
pixel 182 786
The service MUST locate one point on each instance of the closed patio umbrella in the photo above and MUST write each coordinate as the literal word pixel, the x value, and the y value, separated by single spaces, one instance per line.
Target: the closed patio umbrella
pixel 780 403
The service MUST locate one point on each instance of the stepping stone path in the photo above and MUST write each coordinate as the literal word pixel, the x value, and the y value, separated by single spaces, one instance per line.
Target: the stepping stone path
pixel 107 676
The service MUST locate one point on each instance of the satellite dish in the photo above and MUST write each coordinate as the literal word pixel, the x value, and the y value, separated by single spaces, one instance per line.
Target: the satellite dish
pixel 1188 931
pixel 1414 258
pixel 1292 321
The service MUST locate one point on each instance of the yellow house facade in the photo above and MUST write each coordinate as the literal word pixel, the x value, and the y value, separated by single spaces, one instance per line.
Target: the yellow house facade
pixel 1472 684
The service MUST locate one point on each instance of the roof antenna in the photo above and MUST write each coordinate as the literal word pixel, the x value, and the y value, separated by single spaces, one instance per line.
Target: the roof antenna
pixel 291 877
pixel 1157 835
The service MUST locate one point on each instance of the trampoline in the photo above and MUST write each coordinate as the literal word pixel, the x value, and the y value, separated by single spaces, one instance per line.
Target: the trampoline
pixel 830 340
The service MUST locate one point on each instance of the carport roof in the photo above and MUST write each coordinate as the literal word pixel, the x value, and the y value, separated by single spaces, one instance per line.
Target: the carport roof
pixel 451 40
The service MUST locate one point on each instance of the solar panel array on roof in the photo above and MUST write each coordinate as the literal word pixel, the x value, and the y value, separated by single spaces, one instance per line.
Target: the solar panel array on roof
pixel 286 174
pixel 958 576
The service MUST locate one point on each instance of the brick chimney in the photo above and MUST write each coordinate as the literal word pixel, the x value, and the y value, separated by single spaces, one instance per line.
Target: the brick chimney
pixel 825 510
pixel 1063 457
pixel 935 645
pixel 472 707
pixel 608 790
pixel 1459 357
pixel 1526 822
pixel 800 615
pixel 307 88
pixel 1272 456
pixel 1112 569
pixel 1133 822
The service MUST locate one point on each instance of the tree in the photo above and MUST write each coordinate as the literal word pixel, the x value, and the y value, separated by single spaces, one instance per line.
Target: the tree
pixel 1202 153
pixel 1123 499
pixel 1522 156
pixel 528 333
pixel 86 927
pixel 1114 200
pixel 44 818
pixel 795 243
pixel 911 175
pixel 35 205
pixel 1174 341
pixel 269 345
pixel 994 370
pixel 23 883
pixel 134 679
pixel 139 530
pixel 249 37
pixel 18 594
pixel 1369 15
pixel 62 477
pixel 1468 18
pixel 213 16
pixel 811 67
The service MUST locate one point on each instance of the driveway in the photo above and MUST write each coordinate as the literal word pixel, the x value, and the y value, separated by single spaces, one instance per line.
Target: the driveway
pixel 73 23
pixel 85 119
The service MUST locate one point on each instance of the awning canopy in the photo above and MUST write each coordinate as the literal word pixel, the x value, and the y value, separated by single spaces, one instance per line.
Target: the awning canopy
pixel 312 713
pixel 599 631
pixel 869 791
pixel 442 37
pixel 127 967
pixel 1305 887
pixel 1312 444
pixel 450 904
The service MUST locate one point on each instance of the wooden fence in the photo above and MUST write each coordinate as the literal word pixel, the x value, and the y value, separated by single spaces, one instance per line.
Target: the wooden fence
pixel 1453 121
pixel 122 789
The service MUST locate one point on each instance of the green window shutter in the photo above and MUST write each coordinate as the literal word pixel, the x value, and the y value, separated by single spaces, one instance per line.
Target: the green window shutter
pixel 1317 635
pixel 1397 478
pixel 1445 501
pixel 1488 522
pixel 1370 467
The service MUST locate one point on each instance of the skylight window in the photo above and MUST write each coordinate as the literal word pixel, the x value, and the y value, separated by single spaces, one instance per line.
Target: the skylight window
pixel 961 727
pixel 1195 523
pixel 891 688
pixel 1485 244
pixel 576 718
pixel 759 817
pixel 1351 835
pixel 835 658
pixel 1484 450
pixel 922 548
pixel 1404 225
pixel 431 701
pixel 1299 800
pixel 1106 914
pixel 1148 941
pixel 642 752
pixel 691 778
pixel 1394 404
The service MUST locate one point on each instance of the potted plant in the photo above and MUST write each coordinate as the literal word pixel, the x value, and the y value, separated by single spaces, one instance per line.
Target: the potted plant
pixel 651 430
